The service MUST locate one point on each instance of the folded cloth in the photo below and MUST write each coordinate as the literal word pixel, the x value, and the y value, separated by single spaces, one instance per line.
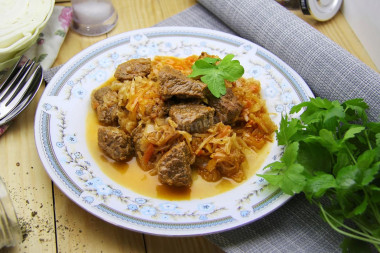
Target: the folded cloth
pixel 329 70
pixel 49 42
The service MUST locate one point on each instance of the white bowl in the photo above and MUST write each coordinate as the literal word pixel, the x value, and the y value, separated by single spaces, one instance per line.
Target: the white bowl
pixel 21 22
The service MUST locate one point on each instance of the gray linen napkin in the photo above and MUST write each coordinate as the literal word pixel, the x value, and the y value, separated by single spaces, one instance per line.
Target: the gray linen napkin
pixel 329 70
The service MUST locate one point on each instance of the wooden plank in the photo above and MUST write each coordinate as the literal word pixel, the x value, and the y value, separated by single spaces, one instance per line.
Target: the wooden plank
pixel 80 231
pixel 135 14
pixel 29 186
pixel 73 44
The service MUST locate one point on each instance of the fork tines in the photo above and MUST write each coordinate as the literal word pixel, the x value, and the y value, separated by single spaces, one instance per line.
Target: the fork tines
pixel 19 85
pixel 12 86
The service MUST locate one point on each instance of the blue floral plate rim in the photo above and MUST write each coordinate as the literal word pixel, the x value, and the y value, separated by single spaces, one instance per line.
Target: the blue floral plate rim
pixel 60 140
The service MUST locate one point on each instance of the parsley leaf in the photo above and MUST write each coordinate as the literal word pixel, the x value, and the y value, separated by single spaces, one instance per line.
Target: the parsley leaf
pixel 287 130
pixel 332 151
pixel 214 72
pixel 290 179
pixel 318 185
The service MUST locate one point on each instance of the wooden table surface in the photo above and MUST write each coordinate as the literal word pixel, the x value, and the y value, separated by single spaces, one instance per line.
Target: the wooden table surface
pixel 50 221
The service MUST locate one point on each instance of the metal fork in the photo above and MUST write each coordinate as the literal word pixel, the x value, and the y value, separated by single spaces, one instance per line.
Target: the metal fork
pixel 18 88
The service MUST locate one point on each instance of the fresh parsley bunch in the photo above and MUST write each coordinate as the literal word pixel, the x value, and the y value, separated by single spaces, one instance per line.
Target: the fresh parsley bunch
pixel 333 151
pixel 214 74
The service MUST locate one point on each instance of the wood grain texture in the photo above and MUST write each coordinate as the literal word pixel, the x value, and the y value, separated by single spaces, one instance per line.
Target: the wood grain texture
pixel 52 222
pixel 80 231
pixel 73 44
pixel 28 184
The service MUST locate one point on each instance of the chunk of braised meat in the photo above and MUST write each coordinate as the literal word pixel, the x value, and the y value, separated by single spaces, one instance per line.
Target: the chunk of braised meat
pixel 175 101
pixel 105 102
pixel 174 166
pixel 97 96
pixel 175 83
pixel 133 68
pixel 192 118
pixel 227 107
pixel 107 115
pixel 115 143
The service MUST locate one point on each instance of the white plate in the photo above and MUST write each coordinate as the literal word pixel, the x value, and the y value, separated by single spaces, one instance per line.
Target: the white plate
pixel 61 140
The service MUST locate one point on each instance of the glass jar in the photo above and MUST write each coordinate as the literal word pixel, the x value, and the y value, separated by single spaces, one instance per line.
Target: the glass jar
pixel 320 10
pixel 93 17
pixel 10 232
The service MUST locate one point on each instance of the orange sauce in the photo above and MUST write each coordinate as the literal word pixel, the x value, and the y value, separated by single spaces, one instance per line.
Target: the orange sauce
pixel 131 176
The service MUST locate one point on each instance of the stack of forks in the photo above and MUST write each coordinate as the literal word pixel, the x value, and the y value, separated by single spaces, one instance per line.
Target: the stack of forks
pixel 18 87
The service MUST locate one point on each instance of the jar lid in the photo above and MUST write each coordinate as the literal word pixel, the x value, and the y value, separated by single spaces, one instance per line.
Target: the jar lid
pixel 321 10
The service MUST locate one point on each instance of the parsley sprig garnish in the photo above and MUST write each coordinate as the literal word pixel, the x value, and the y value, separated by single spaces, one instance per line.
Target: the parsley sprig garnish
pixel 333 152
pixel 214 71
